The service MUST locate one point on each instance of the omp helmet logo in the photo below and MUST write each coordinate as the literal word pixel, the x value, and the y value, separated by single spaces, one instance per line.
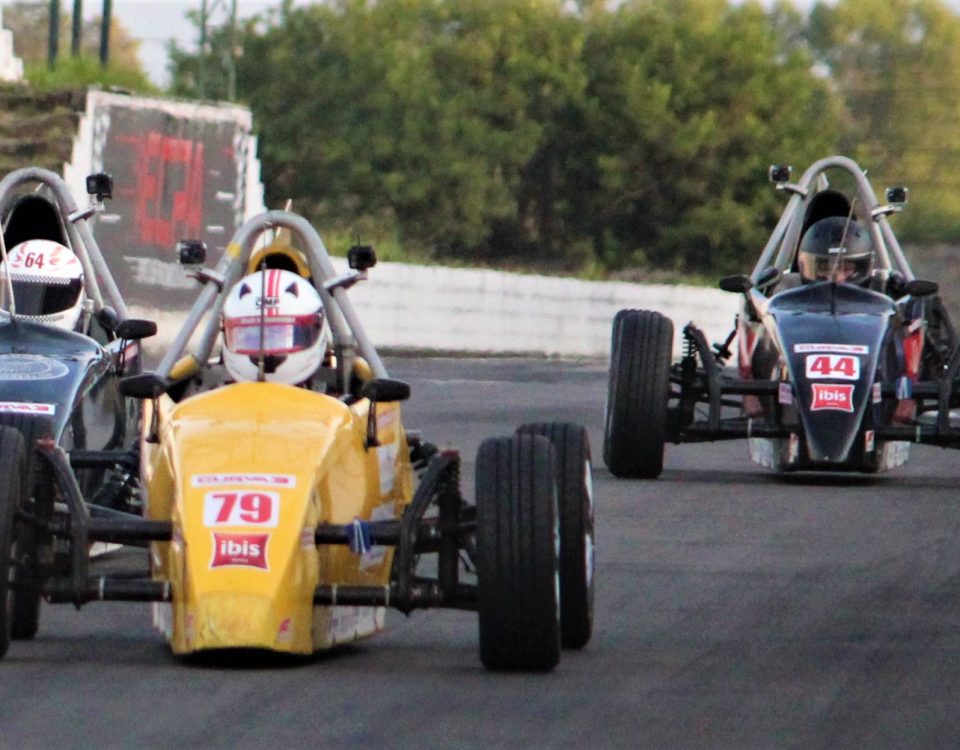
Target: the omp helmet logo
pixel 268 301
pixel 832 396
pixel 240 550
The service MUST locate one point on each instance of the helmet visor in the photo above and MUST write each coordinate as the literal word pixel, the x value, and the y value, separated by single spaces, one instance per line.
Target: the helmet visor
pixel 45 298
pixel 271 335
pixel 840 269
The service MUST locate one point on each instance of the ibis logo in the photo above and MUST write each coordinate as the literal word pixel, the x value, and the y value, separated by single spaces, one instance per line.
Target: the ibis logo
pixel 833 396
pixel 240 550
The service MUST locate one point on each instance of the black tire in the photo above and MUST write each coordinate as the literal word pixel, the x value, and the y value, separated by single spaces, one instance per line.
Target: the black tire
pixel 518 576
pixel 639 388
pixel 571 455
pixel 36 497
pixel 13 457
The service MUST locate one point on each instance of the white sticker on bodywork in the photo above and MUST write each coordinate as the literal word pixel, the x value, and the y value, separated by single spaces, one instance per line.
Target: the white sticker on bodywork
pixel 785 395
pixel 30 367
pixel 20 407
pixel 350 623
pixel 834 366
pixel 376 554
pixel 387 459
pixel 231 508
pixel 836 348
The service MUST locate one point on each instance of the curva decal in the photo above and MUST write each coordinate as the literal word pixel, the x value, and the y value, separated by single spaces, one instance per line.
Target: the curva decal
pixel 20 407
pixel 30 367
pixel 835 348
pixel 832 396
pixel 283 481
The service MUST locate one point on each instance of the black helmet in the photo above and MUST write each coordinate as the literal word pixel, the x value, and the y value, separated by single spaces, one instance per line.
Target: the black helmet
pixel 836 248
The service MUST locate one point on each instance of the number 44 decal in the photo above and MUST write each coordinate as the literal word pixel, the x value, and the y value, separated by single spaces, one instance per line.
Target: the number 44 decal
pixel 840 366
pixel 228 508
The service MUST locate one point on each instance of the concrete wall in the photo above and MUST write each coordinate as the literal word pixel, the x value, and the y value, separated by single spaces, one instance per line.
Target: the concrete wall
pixel 493 311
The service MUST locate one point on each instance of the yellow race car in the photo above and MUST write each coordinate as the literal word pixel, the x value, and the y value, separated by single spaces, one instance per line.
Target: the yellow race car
pixel 285 505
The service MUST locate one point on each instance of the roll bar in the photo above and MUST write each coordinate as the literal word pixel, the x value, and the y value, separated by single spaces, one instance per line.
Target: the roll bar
pixel 95 269
pixel 349 336
pixel 781 247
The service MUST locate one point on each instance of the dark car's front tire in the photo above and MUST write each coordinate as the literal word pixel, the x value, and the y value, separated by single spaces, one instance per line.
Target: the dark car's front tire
pixel 638 391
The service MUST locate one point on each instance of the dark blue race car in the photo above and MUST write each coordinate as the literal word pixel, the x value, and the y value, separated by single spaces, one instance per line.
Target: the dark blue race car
pixel 844 358
pixel 67 436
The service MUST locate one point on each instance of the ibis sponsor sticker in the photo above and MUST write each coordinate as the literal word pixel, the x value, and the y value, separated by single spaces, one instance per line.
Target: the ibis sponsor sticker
pixel 283 481
pixel 832 396
pixel 239 550
pixel 21 407
pixel 30 367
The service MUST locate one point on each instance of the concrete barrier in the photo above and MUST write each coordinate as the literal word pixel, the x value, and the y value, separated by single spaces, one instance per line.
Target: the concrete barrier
pixel 474 310
pixel 434 308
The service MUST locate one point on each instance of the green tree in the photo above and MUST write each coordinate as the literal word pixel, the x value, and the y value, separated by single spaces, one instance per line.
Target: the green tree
pixel 29 23
pixel 492 130
pixel 692 100
pixel 896 66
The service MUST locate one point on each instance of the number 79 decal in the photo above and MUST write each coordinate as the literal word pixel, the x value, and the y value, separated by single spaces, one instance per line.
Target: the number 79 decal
pixel 232 508
pixel 840 366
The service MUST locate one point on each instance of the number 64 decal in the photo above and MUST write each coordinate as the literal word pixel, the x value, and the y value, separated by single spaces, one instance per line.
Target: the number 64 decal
pixel 230 508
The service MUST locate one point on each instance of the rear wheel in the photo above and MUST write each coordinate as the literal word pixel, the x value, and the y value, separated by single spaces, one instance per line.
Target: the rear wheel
pixel 518 577
pixel 637 395
pixel 571 454
pixel 13 457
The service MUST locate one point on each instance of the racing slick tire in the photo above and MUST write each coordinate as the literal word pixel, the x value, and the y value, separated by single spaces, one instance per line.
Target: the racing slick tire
pixel 638 390
pixel 13 456
pixel 36 499
pixel 571 454
pixel 517 534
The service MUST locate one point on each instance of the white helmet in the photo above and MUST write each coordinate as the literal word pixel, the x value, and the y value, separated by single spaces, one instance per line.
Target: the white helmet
pixel 275 316
pixel 47 282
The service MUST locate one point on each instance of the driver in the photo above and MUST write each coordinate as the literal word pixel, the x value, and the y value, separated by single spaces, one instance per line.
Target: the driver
pixel 273 328
pixel 47 280
pixel 838 249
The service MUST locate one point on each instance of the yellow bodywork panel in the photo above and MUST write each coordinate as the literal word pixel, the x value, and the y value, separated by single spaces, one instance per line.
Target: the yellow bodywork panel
pixel 246 472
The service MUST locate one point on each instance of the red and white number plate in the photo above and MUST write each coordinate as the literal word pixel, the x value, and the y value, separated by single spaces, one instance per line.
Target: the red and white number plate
pixel 235 508
pixel 838 366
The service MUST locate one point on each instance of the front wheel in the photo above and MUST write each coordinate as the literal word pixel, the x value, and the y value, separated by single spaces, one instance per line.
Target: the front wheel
pixel 571 453
pixel 638 392
pixel 13 455
pixel 518 578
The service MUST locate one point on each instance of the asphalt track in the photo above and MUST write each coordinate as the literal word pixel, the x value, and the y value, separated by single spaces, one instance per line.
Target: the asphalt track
pixel 734 610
